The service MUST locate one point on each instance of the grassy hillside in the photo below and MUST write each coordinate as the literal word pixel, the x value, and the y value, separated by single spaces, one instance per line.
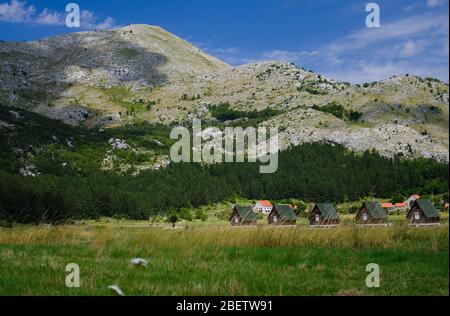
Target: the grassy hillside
pixel 36 144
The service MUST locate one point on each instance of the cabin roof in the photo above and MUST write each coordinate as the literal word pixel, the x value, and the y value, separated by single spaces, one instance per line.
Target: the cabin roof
pixel 245 212
pixel 428 208
pixel 285 212
pixel 264 203
pixel 327 210
pixel 376 210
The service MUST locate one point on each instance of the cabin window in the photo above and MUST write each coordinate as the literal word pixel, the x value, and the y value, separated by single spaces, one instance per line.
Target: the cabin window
pixel 275 219
pixel 317 218
pixel 416 215
pixel 365 217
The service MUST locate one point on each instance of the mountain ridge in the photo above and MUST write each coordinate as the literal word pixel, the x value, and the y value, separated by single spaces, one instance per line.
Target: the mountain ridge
pixel 141 73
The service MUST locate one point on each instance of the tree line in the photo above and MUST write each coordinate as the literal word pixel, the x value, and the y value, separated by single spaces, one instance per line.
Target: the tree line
pixel 310 172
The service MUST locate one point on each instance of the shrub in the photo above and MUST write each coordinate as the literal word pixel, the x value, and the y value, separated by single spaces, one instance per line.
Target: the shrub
pixel 339 111
pixel 185 214
pixel 398 198
pixel 353 209
pixel 333 108
pixel 310 90
pixel 223 112
pixel 199 214
pixel 172 218
pixel 354 115
pixel 6 224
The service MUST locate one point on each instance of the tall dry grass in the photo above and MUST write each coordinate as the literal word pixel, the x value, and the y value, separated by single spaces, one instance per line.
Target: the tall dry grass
pixel 145 238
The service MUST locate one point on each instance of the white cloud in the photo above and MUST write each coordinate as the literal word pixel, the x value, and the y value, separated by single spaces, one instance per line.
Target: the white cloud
pixel 236 56
pixel 48 17
pixel 230 50
pixel 416 44
pixel 401 29
pixel 107 24
pixel 90 21
pixel 231 55
pixel 412 48
pixel 367 71
pixel 17 11
pixel 288 56
pixel 435 3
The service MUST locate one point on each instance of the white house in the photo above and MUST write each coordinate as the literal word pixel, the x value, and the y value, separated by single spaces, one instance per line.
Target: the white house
pixel 410 201
pixel 263 206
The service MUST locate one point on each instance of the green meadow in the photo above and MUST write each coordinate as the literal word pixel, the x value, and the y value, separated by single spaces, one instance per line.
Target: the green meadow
pixel 204 259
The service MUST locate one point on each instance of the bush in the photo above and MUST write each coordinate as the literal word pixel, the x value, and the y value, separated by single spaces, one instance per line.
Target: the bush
pixel 223 112
pixel 398 198
pixel 172 218
pixel 339 111
pixel 333 108
pixel 310 90
pixel 301 207
pixel 6 224
pixel 185 214
pixel 353 209
pixel 223 215
pixel 199 214
pixel 354 115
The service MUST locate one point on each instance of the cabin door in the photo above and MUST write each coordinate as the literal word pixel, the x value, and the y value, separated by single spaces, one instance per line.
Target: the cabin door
pixel 317 218
pixel 275 219
pixel 417 216
pixel 365 217
pixel 236 220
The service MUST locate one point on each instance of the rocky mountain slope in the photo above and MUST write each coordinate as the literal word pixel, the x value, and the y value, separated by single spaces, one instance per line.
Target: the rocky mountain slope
pixel 144 73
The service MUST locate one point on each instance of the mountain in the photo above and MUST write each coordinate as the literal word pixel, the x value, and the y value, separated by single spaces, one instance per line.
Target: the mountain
pixel 143 73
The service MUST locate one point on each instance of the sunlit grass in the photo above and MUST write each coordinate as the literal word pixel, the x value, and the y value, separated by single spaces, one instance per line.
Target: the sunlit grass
pixel 224 261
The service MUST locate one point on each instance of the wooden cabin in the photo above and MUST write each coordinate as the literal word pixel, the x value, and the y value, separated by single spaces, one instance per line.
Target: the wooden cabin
pixel 282 214
pixel 242 216
pixel 371 214
pixel 324 214
pixel 423 212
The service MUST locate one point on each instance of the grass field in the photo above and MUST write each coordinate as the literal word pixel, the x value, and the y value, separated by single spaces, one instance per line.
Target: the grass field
pixel 219 260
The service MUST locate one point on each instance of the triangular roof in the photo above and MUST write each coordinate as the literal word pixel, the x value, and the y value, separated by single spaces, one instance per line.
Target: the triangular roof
pixel 376 210
pixel 245 212
pixel 327 210
pixel 428 208
pixel 285 212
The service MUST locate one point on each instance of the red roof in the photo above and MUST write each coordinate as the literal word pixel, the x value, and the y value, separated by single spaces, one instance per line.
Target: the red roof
pixel 400 204
pixel 386 205
pixel 264 203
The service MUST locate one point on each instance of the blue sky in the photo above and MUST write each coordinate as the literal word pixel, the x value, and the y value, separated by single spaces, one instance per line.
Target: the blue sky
pixel 327 36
